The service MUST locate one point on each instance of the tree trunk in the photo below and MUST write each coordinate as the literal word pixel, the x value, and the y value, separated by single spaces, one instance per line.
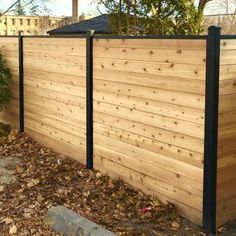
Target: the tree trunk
pixel 128 17
pixel 120 17
pixel 135 17
pixel 202 4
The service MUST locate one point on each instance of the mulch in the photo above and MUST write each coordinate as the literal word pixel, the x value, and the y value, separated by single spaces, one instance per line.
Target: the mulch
pixel 45 178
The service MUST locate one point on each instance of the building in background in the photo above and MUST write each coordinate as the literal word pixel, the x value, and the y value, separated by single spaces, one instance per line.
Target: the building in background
pixel 28 25
pixel 34 25
pixel 38 25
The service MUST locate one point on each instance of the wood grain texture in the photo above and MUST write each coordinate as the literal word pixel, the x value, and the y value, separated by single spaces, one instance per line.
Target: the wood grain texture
pixel 226 177
pixel 9 49
pixel 199 45
pixel 55 110
pixel 149 101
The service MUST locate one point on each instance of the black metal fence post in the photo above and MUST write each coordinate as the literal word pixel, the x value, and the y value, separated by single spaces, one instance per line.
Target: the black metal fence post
pixel 21 82
pixel 89 99
pixel 211 129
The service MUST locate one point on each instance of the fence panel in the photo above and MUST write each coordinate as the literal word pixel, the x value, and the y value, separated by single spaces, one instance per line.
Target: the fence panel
pixel 55 91
pixel 9 48
pixel 226 175
pixel 149 108
pixel 149 101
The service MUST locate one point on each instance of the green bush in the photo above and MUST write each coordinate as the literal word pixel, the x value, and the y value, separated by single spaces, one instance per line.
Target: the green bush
pixel 5 78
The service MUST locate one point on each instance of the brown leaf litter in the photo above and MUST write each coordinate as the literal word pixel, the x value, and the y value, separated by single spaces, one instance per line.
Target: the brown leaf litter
pixel 45 178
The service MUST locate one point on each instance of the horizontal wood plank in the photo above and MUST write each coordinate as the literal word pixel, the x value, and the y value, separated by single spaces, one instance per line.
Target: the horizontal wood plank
pixel 152 43
pixel 154 94
pixel 155 54
pixel 177 153
pixel 151 81
pixel 163 122
pixel 146 105
pixel 153 68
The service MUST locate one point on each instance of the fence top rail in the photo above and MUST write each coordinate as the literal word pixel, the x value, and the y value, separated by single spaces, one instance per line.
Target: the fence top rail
pixel 228 36
pixel 152 37
pixel 44 36
pixel 111 36
pixel 204 37
pixel 54 36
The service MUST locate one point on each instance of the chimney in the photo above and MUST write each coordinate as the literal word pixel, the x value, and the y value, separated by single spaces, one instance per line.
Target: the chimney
pixel 82 17
pixel 75 9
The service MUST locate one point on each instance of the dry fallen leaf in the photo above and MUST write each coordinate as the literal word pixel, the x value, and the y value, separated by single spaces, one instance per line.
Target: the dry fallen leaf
pixel 175 225
pixel 220 229
pixel 40 198
pixel 67 177
pixel 13 229
pixel 19 169
pixel 44 182
pixel 33 182
pixel 202 234
pixel 98 175
pixel 110 185
pixel 27 215
pixel 7 220
pixel 1 188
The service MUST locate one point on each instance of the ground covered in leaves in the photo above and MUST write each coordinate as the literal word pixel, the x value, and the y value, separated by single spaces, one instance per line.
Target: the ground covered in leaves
pixel 44 179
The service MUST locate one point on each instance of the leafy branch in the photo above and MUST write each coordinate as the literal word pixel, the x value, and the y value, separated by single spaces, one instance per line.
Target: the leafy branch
pixel 5 78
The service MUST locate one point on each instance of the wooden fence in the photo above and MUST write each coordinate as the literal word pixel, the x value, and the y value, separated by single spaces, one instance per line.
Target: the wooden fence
pixel 9 48
pixel 54 79
pixel 226 172
pixel 149 116
pixel 149 110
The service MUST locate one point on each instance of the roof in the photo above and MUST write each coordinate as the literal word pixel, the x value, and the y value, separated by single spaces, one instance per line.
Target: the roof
pixel 100 24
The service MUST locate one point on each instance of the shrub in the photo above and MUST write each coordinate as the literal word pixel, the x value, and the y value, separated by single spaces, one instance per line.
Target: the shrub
pixel 5 78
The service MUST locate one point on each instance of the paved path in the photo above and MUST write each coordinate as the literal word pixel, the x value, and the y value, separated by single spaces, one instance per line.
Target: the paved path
pixel 7 165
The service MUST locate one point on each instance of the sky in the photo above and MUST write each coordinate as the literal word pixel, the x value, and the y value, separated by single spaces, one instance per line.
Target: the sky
pixel 60 7
pixel 63 7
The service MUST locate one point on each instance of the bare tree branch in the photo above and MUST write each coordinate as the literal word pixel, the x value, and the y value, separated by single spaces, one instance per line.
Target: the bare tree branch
pixel 99 10
pixel 28 3
pixel 120 15
pixel 9 8
pixel 135 17
pixel 128 17
pixel 202 4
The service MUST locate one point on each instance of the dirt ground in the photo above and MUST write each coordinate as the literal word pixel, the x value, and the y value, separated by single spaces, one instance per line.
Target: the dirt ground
pixel 43 178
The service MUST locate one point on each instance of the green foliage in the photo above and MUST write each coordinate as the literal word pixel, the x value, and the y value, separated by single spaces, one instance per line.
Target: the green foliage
pixel 19 9
pixel 172 17
pixel 5 78
pixel 157 17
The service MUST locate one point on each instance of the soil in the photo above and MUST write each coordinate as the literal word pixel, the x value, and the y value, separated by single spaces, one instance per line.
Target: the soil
pixel 44 178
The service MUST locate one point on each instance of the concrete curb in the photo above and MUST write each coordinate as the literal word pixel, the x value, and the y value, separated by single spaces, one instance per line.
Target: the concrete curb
pixel 67 222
